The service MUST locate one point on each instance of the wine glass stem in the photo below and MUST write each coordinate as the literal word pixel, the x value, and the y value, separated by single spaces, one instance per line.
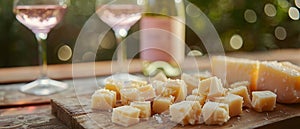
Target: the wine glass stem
pixel 121 51
pixel 42 46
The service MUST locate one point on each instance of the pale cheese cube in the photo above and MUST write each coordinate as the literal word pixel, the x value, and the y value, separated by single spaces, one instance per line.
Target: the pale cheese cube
pixel 232 70
pixel 161 104
pixel 215 113
pixel 191 82
pixel 129 95
pixel 103 99
pixel 201 99
pixel 160 76
pixel 146 92
pixel 144 106
pixel 212 87
pixel 202 75
pixel 263 101
pixel 125 115
pixel 235 104
pixel 159 87
pixel 114 85
pixel 243 92
pixel 185 112
pixel 280 79
pixel 195 91
pixel 176 88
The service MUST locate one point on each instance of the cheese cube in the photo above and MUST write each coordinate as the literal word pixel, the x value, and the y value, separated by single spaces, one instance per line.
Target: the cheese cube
pixel 202 75
pixel 129 95
pixel 263 101
pixel 160 76
pixel 195 92
pixel 134 84
pixel 243 92
pixel 212 87
pixel 159 86
pixel 191 82
pixel 201 99
pixel 161 104
pixel 176 88
pixel 215 113
pixel 185 112
pixel 114 85
pixel 103 99
pixel 280 79
pixel 125 115
pixel 235 104
pixel 146 92
pixel 232 70
pixel 144 106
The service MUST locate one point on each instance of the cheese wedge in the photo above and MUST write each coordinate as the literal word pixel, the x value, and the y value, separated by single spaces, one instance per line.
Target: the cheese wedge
pixel 185 112
pixel 125 115
pixel 243 92
pixel 232 70
pixel 144 106
pixel 103 99
pixel 191 82
pixel 283 81
pixel 263 101
pixel 161 104
pixel 215 113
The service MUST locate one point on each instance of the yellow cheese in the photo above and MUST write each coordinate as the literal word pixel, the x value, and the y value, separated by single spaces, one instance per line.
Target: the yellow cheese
pixel 191 82
pixel 129 95
pixel 125 115
pixel 146 92
pixel 144 106
pixel 103 99
pixel 114 85
pixel 235 104
pixel 241 83
pixel 201 99
pixel 232 70
pixel 161 104
pixel 134 84
pixel 185 112
pixel 243 92
pixel 263 101
pixel 212 87
pixel 280 79
pixel 215 113
pixel 176 88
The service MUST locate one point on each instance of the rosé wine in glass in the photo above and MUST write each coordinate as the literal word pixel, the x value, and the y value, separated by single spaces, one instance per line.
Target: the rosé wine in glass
pixel 39 18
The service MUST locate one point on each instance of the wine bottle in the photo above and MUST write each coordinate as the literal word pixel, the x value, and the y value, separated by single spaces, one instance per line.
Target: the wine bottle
pixel 162 36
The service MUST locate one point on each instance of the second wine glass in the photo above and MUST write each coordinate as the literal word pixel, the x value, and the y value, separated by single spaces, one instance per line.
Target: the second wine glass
pixel 120 15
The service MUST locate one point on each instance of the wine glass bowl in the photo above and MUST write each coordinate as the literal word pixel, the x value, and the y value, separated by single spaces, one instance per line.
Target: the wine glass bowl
pixel 40 16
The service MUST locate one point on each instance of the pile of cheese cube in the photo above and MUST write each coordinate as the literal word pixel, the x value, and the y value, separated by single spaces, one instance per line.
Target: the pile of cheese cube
pixel 193 99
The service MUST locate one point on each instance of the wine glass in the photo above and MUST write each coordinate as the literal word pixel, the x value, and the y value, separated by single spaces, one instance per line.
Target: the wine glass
pixel 120 15
pixel 40 16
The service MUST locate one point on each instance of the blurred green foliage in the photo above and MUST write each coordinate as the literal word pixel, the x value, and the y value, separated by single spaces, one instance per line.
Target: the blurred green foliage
pixel 18 46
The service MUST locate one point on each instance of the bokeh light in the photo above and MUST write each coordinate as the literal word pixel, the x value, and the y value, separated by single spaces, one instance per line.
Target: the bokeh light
pixel 195 53
pixel 293 13
pixel 280 33
pixel 64 53
pixel 250 16
pixel 297 3
pixel 236 41
pixel 270 10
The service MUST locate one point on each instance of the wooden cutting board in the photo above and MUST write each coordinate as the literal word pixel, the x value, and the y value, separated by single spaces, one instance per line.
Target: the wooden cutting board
pixel 75 112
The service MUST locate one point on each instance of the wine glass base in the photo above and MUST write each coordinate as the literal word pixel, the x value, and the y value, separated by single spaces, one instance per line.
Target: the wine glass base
pixel 44 86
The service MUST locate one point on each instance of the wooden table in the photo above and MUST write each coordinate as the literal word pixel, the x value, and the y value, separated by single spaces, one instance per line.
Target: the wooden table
pixel 18 110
